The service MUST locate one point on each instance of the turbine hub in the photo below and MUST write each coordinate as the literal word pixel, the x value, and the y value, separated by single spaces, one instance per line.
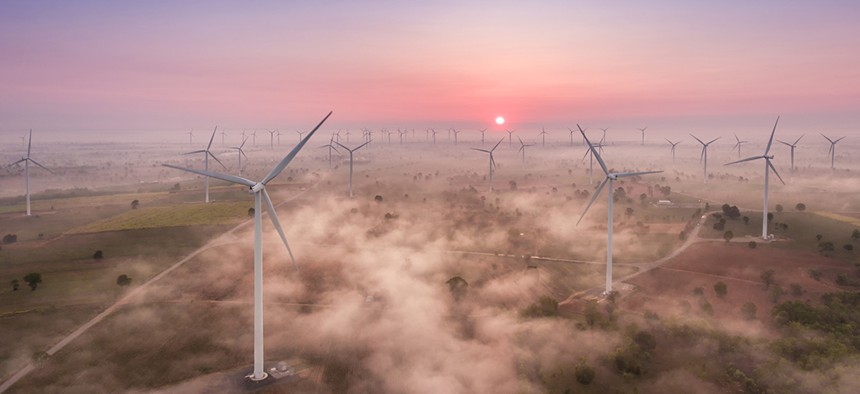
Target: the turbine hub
pixel 256 188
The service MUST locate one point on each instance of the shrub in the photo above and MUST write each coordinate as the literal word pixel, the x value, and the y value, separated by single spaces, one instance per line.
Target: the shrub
pixel 748 309
pixel 10 238
pixel 721 289
pixel 584 372
pixel 800 207
pixel 752 244
pixel 98 255
pixel 33 279
pixel 123 280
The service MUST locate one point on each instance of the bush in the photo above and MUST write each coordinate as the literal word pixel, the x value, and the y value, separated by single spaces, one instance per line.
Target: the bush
pixel 796 289
pixel 779 208
pixel 135 204
pixel 10 238
pixel 98 255
pixel 848 247
pixel 33 279
pixel 767 278
pixel 545 307
pixel 728 235
pixel 748 309
pixel 123 280
pixel 584 372
pixel 251 212
pixel 377 198
pixel 752 244
pixel 800 207
pixel 721 289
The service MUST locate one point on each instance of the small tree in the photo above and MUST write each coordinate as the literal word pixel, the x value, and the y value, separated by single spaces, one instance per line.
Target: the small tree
pixel 752 244
pixel 645 341
pixel 642 198
pixel 800 207
pixel 728 235
pixel 458 287
pixel 848 247
pixel 10 238
pixel 14 283
pixel 767 278
pixel 629 212
pixel 135 204
pixel 746 220
pixel 818 237
pixel 855 235
pixel 815 273
pixel 584 373
pixel 377 198
pixel 779 208
pixel 123 280
pixel 33 279
pixel 748 309
pixel 796 289
pixel 721 289
pixel 251 212
pixel 776 293
pixel 98 255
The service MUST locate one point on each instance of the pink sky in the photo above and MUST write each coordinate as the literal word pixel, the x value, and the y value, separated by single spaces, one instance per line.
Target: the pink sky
pixel 67 66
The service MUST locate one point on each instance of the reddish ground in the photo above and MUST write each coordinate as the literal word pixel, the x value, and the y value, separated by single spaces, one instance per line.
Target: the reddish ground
pixel 664 289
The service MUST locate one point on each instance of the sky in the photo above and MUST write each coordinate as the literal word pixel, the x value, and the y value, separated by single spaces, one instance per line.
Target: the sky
pixel 136 66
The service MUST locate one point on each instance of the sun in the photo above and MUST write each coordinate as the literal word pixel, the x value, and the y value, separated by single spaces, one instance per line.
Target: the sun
pixel 500 120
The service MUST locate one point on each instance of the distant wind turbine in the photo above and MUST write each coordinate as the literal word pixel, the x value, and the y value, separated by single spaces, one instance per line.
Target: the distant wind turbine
pixel 523 149
pixel 223 133
pixel 543 134
pixel 300 133
pixel 792 146
pixel 599 146
pixel 705 154
pixel 258 189
pixel 351 151
pixel 482 131
pixel 674 144
pixel 832 151
pixel 510 137
pixel 190 136
pixel 456 134
pixel 738 144
pixel 643 134
pixel 241 152
pixel 206 153
pixel 27 160
pixel 272 138
pixel 492 162
pixel 767 167
pixel 330 148
pixel 610 178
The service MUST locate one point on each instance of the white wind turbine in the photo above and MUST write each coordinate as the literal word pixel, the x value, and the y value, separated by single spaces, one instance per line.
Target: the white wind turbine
pixel 402 133
pixel 456 134
pixel 523 149
pixel 599 146
pixel 300 133
pixel 738 145
pixel 272 138
pixel 705 154
pixel 492 162
pixel 792 146
pixel 206 153
pixel 767 167
pixel 350 162
pixel 258 189
pixel 190 136
pixel 482 131
pixel 27 160
pixel 674 144
pixel 510 137
pixel 330 148
pixel 241 152
pixel 832 151
pixel 643 134
pixel 543 134
pixel 610 178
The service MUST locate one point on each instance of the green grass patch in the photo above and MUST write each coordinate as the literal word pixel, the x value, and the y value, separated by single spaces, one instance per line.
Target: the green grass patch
pixel 170 216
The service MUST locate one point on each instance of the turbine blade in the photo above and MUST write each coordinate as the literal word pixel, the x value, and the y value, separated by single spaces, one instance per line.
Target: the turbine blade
pixel 362 145
pixel 594 152
pixel 747 159
pixel 270 208
pixel 798 139
pixel 825 137
pixel 223 177
pixel 593 197
pixel 712 141
pixel 839 140
pixel 243 142
pixel 625 174
pixel 37 163
pixel 197 151
pixel 212 138
pixel 29 142
pixel 697 139
pixel 769 164
pixel 341 145
pixel 770 141
pixel 216 159
pixel 702 156
pixel 497 144
pixel 587 151
pixel 287 159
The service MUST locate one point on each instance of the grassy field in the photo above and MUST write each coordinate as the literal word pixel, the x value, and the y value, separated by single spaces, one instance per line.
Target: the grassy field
pixel 170 216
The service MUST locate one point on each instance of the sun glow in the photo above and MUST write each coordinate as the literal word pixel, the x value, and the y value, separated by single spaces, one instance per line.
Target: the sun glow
pixel 500 120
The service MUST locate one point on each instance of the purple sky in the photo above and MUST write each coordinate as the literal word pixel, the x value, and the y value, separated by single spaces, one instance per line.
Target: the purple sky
pixel 68 66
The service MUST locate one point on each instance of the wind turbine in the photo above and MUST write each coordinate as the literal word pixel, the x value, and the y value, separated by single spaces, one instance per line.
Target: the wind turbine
pixel 300 133
pixel 610 178
pixel 492 162
pixel 402 133
pixel 767 167
pixel 350 162
pixel 738 145
pixel 190 135
pixel 603 139
pixel 794 145
pixel 674 144
pixel 456 133
pixel 832 151
pixel 482 131
pixel 206 153
pixel 599 146
pixel 543 134
pixel 434 135
pixel 643 134
pixel 261 196
pixel 705 153
pixel 223 133
pixel 272 138
pixel 27 160
pixel 254 138
pixel 330 148
pixel 241 152
pixel 523 149
pixel 510 137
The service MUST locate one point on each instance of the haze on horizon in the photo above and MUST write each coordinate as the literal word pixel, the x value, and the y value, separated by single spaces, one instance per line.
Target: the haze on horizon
pixel 71 67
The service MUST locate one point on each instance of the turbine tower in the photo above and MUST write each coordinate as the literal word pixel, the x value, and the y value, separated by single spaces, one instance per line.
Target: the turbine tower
pixel 599 146
pixel 190 136
pixel 330 148
pixel 272 138
pixel 206 153
pixel 767 167
pixel 643 134
pixel 543 134
pixel 27 160
pixel 705 154
pixel 510 137
pixel 832 151
pixel 258 189
pixel 523 149
pixel 241 152
pixel 350 162
pixel 482 131
pixel 456 134
pixel 792 146
pixel 610 178
pixel 492 162
pixel 674 144
pixel 738 145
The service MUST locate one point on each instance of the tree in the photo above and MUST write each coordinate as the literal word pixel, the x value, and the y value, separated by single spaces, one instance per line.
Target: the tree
pixel 848 247
pixel 135 204
pixel 251 212
pixel 545 307
pixel 720 226
pixel 746 220
pixel 98 255
pixel 629 212
pixel 10 238
pixel 728 235
pixel 752 244
pixel 645 341
pixel 699 291
pixel 33 279
pixel 800 207
pixel 584 372
pixel 815 273
pixel 458 287
pixel 767 278
pixel 855 235
pixel 769 216
pixel 748 309
pixel 776 293
pixel 818 237
pixel 824 247
pixel 721 289
pixel 14 283
pixel 123 280
pixel 377 198
pixel 796 289
pixel 643 197
pixel 513 185
pixel 779 208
